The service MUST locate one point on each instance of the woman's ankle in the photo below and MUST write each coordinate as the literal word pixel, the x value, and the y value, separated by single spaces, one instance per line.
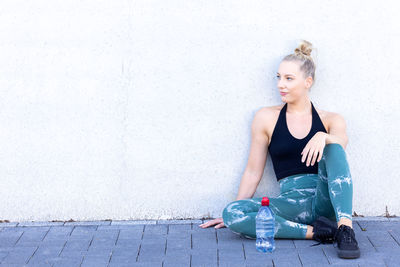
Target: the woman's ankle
pixel 345 221
pixel 310 233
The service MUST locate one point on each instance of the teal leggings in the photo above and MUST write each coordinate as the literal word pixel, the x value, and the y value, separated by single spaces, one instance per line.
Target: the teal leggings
pixel 303 198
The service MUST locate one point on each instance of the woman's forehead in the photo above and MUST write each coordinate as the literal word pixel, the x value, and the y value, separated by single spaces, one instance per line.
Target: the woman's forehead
pixel 288 68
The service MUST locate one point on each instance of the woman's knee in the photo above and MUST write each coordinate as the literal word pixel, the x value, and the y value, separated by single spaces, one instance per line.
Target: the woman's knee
pixel 236 210
pixel 228 212
pixel 334 161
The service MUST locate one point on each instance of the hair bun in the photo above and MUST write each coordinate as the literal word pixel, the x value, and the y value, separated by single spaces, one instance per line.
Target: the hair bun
pixel 304 48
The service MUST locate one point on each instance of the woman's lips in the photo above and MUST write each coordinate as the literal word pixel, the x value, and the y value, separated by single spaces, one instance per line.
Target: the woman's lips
pixel 283 93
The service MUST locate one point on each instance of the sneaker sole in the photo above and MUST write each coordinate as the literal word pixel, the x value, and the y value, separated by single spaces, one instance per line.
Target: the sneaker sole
pixel 349 254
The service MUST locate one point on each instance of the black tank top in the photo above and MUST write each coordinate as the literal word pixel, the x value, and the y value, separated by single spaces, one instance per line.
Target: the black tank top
pixel 285 150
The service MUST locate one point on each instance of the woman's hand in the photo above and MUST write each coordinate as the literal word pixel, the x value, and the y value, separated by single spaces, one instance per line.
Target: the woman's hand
pixel 219 223
pixel 314 148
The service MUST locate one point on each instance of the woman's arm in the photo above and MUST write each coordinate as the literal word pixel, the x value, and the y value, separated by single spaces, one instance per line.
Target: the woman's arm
pixel 257 157
pixel 337 131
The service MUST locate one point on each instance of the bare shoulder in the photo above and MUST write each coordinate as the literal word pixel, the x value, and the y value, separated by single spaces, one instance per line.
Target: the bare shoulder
pixel 329 118
pixel 268 113
pixel 267 117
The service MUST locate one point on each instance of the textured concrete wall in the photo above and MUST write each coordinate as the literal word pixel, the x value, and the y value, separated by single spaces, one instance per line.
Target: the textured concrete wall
pixel 142 109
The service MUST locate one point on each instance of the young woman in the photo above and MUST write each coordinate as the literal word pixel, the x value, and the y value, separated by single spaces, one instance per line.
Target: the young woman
pixel 306 145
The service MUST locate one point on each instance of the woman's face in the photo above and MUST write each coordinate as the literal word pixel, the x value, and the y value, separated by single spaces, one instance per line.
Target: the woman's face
pixel 291 83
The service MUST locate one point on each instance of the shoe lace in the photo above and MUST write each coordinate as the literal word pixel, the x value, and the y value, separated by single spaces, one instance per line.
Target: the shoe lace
pixel 345 234
pixel 323 238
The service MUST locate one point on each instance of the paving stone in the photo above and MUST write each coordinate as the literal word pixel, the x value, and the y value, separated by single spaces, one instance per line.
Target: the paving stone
pixel 85 223
pixel 171 222
pixel 179 228
pixel 209 259
pixel 144 222
pixel 371 219
pixel 283 243
pixel 308 256
pixel 366 256
pixel 175 244
pixel 304 243
pixel 175 259
pixel 67 262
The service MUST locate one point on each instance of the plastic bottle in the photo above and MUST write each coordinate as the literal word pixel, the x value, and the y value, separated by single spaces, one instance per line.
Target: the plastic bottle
pixel 265 227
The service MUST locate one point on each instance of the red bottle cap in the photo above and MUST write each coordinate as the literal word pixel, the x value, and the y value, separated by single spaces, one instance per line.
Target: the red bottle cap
pixel 265 201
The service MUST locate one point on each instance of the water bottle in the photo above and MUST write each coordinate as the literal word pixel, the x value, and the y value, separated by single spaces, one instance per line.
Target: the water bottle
pixel 265 227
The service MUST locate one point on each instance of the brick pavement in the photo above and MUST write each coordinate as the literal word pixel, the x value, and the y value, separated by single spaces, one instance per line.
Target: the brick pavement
pixel 181 243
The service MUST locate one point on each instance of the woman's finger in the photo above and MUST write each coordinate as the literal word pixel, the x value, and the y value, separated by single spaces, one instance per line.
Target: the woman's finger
pixel 315 155
pixel 304 153
pixel 320 154
pixel 220 225
pixel 310 155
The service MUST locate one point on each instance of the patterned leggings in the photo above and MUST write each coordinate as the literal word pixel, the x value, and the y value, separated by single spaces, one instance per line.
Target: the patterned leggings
pixel 303 198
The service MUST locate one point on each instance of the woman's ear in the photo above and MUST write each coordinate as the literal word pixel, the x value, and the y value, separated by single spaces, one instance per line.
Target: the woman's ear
pixel 309 82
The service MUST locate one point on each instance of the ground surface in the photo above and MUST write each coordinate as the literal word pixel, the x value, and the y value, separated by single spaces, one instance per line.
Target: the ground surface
pixel 181 243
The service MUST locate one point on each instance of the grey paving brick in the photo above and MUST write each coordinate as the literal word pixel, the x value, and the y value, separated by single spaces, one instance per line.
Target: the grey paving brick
pixel 371 218
pixel 303 243
pixel 257 259
pixel 225 257
pixel 94 251
pixel 178 252
pixel 174 264
pixel 171 222
pixel 232 264
pixel 9 238
pixel 87 223
pixel 394 219
pixel 96 260
pixel 136 264
pixel 204 259
pixel 179 228
pixel 9 224
pixel 203 244
pixel 144 222
pixel 367 256
pixel 391 260
pixel 294 262
pixel 76 245
pixel 19 255
pixel 39 264
pixel 72 253
pixel 178 260
pixel 312 255
pixel 67 262
pixel 84 230
pixel 132 243
pixel 3 254
pixel 159 229
pixel 282 243
pixel 197 228
pixel 39 224
pixel 123 258
pixel 45 251
pixel 174 244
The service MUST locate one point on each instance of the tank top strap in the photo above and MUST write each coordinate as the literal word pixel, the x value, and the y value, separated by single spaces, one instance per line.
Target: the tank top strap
pixel 317 122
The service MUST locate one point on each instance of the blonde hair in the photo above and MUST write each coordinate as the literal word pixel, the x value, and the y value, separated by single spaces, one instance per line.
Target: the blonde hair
pixel 302 54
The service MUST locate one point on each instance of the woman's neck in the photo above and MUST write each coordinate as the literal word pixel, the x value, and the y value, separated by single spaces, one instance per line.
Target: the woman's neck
pixel 300 107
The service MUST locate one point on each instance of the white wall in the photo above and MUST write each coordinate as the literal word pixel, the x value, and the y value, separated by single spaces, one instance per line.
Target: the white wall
pixel 142 109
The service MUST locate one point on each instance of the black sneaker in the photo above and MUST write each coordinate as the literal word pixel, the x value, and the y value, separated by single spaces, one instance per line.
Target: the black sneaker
pixel 324 230
pixel 347 245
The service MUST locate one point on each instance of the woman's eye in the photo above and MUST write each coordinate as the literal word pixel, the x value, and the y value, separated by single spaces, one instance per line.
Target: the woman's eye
pixel 289 78
pixel 277 77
